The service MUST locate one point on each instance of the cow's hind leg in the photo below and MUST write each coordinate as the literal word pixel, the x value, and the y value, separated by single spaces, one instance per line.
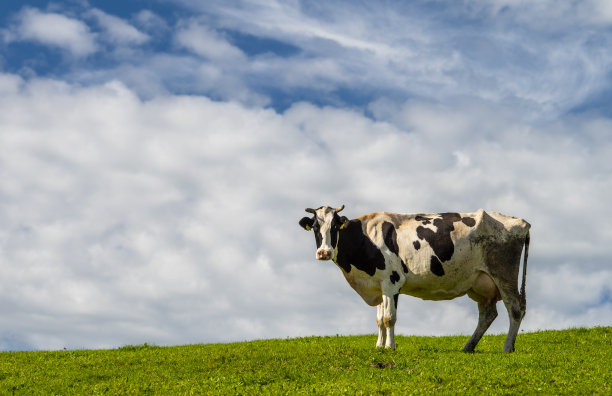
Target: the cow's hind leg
pixel 382 333
pixel 515 313
pixel 503 262
pixel 486 315
pixel 513 300
pixel 486 294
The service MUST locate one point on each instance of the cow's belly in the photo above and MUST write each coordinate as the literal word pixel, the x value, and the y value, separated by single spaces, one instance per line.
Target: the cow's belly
pixel 459 277
pixel 459 273
pixel 436 292
pixel 367 287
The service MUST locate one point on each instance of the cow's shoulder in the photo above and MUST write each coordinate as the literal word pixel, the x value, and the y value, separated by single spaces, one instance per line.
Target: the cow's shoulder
pixel 356 248
pixel 381 228
pixel 372 220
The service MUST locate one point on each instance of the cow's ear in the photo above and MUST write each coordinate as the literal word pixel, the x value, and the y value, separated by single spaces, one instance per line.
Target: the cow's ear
pixel 307 223
pixel 343 222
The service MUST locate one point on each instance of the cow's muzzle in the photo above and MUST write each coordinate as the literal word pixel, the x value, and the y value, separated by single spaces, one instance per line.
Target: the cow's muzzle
pixel 324 254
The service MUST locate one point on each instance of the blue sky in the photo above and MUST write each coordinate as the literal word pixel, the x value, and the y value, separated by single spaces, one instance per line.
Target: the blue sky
pixel 337 53
pixel 155 157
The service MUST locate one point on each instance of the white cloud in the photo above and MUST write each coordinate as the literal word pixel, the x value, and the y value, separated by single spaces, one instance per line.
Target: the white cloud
pixel 151 22
pixel 550 14
pixel 402 50
pixel 174 220
pixel 601 11
pixel 118 30
pixel 55 30
pixel 208 43
pixel 290 21
pixel 366 50
pixel 10 83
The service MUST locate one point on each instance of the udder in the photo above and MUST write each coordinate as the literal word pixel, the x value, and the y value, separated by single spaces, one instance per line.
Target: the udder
pixel 484 290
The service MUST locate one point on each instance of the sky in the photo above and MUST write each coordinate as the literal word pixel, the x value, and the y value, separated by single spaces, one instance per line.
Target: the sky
pixel 156 157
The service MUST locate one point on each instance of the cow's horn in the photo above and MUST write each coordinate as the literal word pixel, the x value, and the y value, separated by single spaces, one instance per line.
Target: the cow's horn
pixel 339 209
pixel 311 211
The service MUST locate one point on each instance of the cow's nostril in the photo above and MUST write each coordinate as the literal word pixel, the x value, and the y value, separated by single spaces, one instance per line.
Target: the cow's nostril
pixel 324 254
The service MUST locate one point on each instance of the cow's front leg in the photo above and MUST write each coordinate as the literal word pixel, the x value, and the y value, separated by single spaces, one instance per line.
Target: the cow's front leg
pixel 390 293
pixel 382 332
pixel 389 318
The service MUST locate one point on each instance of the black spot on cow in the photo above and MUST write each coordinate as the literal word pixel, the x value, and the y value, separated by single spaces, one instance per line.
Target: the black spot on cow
pixel 468 221
pixel 440 240
pixel 451 216
pixel 424 220
pixel 405 268
pixel 356 248
pixel 309 223
pixel 394 277
pixel 390 237
pixel 306 222
pixel 335 226
pixel 417 245
pixel 395 298
pixel 318 237
pixel 436 266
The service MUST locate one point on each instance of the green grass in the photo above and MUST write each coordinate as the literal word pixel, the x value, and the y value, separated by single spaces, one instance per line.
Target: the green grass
pixel 576 361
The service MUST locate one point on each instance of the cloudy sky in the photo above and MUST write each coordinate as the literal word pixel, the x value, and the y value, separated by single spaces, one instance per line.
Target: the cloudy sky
pixel 156 156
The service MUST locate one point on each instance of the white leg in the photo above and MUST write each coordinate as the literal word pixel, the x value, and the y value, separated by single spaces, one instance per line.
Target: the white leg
pixel 389 318
pixel 380 310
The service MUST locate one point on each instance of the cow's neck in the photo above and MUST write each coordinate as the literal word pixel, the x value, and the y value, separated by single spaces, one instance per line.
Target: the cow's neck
pixel 356 249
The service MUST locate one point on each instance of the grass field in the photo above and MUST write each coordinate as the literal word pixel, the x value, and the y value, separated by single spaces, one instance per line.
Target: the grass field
pixel 576 361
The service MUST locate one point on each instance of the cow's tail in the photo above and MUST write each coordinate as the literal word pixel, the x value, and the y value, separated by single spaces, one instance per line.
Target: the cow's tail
pixel 523 297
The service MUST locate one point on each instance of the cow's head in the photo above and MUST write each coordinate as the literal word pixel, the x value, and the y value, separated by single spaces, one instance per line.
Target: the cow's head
pixel 326 225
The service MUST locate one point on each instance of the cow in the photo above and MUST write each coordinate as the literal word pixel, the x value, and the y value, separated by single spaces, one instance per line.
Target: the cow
pixel 430 256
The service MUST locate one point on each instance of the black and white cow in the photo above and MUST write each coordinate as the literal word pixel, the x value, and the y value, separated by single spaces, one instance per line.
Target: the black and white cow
pixel 433 257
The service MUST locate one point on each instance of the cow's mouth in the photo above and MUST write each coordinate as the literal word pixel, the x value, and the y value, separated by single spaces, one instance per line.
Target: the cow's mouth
pixel 324 255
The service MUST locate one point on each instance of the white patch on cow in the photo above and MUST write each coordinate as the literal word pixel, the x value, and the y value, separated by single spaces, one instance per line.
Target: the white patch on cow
pixel 325 217
pixel 325 231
